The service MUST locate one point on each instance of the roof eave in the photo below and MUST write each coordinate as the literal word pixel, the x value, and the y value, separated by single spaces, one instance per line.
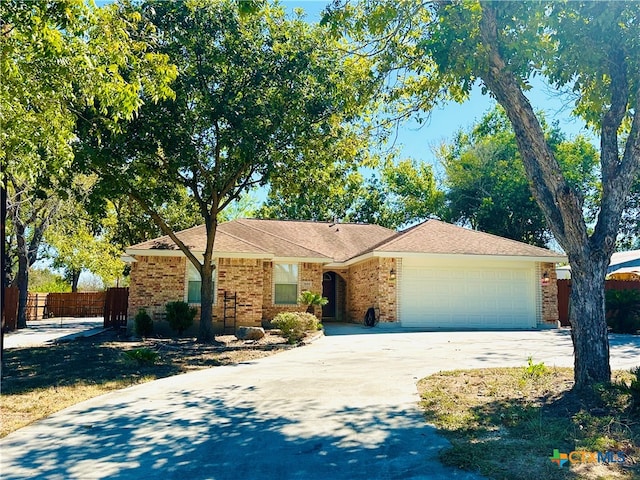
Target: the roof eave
pixel 132 253
pixel 531 258
pixel 350 261
pixel 323 260
pixel 178 253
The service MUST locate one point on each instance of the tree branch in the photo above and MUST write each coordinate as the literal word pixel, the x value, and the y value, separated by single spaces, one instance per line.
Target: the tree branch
pixel 560 203
pixel 166 229
pixel 617 175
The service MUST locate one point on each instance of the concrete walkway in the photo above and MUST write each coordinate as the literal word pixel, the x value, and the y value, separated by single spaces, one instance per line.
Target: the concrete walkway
pixel 43 332
pixel 344 407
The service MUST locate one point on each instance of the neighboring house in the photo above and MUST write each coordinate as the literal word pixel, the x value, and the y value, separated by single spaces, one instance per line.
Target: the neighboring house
pixel 563 272
pixel 432 276
pixel 623 266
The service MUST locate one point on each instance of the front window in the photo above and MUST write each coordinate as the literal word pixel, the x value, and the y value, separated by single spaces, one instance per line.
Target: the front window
pixel 194 283
pixel 285 279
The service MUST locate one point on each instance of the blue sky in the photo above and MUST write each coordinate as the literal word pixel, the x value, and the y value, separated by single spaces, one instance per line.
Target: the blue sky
pixel 418 141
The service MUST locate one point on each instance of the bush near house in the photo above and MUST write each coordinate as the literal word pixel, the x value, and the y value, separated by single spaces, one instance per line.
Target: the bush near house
pixel 143 324
pixel 623 310
pixel 293 325
pixel 180 316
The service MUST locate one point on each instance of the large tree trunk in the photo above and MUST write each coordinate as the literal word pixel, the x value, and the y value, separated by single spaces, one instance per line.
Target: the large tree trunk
pixel 587 318
pixel 75 277
pixel 562 205
pixel 33 222
pixel 3 262
pixel 22 277
pixel 206 333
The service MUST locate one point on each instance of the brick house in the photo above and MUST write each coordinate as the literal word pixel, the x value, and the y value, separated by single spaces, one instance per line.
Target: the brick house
pixel 431 276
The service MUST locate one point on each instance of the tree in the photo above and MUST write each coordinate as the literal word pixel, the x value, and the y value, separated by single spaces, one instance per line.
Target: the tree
pixel 55 59
pixel 125 223
pixel 629 238
pixel 487 187
pixel 404 192
pixel 320 192
pixel 78 243
pixel 436 51
pixel 256 93
pixel 30 210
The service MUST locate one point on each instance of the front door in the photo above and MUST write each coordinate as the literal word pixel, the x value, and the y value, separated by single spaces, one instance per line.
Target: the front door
pixel 329 291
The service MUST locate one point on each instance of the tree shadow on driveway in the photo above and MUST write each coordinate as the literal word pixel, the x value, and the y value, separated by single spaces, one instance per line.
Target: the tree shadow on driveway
pixel 215 433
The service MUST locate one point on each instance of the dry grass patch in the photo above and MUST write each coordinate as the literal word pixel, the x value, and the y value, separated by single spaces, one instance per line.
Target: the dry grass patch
pixel 39 381
pixel 505 423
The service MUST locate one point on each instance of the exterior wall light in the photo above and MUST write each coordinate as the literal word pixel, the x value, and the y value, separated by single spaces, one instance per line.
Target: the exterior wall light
pixel 545 280
pixel 392 274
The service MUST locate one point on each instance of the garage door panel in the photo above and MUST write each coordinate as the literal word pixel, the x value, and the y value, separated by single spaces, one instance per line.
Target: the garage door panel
pixel 484 296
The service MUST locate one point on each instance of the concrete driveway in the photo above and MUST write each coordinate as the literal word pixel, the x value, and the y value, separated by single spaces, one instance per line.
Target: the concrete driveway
pixel 51 330
pixel 343 407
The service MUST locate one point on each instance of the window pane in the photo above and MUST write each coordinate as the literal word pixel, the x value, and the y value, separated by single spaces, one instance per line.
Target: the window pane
pixel 286 273
pixel 286 294
pixel 192 272
pixel 193 295
pixel 194 282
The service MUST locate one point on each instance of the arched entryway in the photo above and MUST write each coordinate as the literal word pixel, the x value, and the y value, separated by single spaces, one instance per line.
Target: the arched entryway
pixel 334 288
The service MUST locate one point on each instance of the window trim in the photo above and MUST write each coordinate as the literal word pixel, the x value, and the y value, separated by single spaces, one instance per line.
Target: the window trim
pixel 297 284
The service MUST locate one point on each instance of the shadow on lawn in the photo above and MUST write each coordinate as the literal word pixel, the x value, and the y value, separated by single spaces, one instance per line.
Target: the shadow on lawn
pixel 516 438
pixel 83 361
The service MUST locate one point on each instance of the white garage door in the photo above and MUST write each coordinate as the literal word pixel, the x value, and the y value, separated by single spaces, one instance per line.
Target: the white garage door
pixel 474 294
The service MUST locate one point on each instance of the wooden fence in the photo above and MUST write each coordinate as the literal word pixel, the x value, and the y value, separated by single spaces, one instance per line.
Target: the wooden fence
pixel 80 304
pixel 564 292
pixel 111 304
pixel 116 304
pixel 10 310
pixel 36 306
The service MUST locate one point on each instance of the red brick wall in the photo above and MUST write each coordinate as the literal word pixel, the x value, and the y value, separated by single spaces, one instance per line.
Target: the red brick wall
pixel 387 296
pixel 154 282
pixel 245 277
pixel 549 296
pixel 370 285
pixel 158 280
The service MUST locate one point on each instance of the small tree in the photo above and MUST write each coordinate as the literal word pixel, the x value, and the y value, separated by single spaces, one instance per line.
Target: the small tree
pixel 311 300
pixel 180 316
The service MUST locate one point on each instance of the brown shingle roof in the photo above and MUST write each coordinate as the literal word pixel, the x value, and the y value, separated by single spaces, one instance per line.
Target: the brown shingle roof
pixel 195 239
pixel 436 237
pixel 281 238
pixel 340 241
pixel 343 241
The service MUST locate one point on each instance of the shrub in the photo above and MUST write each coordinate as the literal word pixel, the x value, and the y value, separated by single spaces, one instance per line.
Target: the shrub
pixel 143 325
pixel 311 299
pixel 180 316
pixel 534 370
pixel 623 310
pixel 143 356
pixel 293 325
